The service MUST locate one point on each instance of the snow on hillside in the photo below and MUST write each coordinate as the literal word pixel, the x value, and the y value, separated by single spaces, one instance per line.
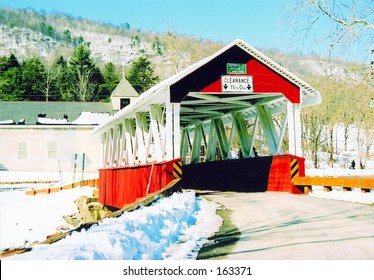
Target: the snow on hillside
pixel 327 68
pixel 112 48
pixel 23 42
pixel 121 50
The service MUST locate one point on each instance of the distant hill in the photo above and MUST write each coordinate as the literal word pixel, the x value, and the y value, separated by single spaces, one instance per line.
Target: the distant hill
pixel 27 33
pixel 346 87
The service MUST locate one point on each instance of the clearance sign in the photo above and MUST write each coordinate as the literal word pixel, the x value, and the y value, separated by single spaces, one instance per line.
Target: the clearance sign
pixel 237 83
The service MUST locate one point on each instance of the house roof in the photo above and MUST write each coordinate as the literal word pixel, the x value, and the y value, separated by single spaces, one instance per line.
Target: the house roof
pixel 198 88
pixel 124 89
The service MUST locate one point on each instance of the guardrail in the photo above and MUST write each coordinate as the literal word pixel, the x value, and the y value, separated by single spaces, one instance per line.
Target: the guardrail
pixel 95 183
pixel 305 183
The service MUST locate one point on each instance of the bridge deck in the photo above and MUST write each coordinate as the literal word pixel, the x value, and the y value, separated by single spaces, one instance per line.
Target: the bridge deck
pixel 274 225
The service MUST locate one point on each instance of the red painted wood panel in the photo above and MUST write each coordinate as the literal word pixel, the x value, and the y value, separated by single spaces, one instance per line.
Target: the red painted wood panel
pixel 280 174
pixel 265 80
pixel 121 186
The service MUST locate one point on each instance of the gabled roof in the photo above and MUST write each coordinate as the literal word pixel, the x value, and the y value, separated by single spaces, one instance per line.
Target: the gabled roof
pixel 188 85
pixel 124 89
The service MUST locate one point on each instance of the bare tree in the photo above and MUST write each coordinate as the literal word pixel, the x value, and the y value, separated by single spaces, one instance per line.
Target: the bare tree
pixel 351 21
pixel 175 47
pixel 313 127
pixel 364 124
pixel 50 80
pixel 85 88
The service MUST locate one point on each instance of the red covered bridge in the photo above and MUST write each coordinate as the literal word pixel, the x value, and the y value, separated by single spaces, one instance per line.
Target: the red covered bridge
pixel 204 116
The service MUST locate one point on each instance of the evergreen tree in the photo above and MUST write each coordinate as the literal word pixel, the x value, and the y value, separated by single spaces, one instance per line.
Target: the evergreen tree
pixel 3 64
pixel 141 75
pixel 33 79
pixel 63 80
pixel 67 36
pixel 10 79
pixel 13 62
pixel 111 80
pixel 86 77
pixel 158 46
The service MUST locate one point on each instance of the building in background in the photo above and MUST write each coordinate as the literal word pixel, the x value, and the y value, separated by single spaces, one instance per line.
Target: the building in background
pixel 55 136
pixel 123 95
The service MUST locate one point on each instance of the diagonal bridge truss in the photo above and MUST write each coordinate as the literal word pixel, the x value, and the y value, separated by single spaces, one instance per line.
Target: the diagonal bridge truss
pixel 200 128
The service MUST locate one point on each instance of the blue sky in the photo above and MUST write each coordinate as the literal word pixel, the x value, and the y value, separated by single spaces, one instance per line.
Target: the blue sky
pixel 261 23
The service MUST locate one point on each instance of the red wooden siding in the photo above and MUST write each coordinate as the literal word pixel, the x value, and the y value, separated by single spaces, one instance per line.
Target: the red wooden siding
pixel 265 81
pixel 121 186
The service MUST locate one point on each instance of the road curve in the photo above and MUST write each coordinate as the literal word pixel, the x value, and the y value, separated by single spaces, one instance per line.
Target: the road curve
pixel 273 226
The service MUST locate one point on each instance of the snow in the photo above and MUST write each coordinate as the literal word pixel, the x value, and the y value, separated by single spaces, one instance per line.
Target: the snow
pixel 85 118
pixel 26 218
pixel 340 170
pixel 7 122
pixel 172 228
pixel 338 194
pixel 42 120
pixel 91 118
pixel 355 195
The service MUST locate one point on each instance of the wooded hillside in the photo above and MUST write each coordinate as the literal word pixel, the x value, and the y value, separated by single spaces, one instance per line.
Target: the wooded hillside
pixel 59 57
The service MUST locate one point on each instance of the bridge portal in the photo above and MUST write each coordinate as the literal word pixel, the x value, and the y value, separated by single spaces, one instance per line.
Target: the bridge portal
pixel 214 110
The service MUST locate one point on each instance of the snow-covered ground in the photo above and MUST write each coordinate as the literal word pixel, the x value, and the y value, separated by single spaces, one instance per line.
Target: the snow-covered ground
pixel 355 195
pixel 172 228
pixel 26 218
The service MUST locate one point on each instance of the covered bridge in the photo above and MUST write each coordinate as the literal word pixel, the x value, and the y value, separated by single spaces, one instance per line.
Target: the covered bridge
pixel 196 114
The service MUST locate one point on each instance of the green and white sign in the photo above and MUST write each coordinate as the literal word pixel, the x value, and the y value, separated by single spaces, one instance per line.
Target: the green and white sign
pixel 236 68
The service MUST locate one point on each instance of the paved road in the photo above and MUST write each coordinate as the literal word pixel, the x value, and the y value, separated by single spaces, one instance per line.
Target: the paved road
pixel 266 226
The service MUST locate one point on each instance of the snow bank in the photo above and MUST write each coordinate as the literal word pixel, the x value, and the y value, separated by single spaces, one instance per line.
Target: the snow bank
pixel 7 122
pixel 85 118
pixel 25 219
pixel 42 120
pixel 91 118
pixel 338 194
pixel 174 226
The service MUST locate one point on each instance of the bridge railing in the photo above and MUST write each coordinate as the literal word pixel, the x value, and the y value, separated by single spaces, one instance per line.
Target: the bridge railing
pixel 305 183
pixel 95 183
